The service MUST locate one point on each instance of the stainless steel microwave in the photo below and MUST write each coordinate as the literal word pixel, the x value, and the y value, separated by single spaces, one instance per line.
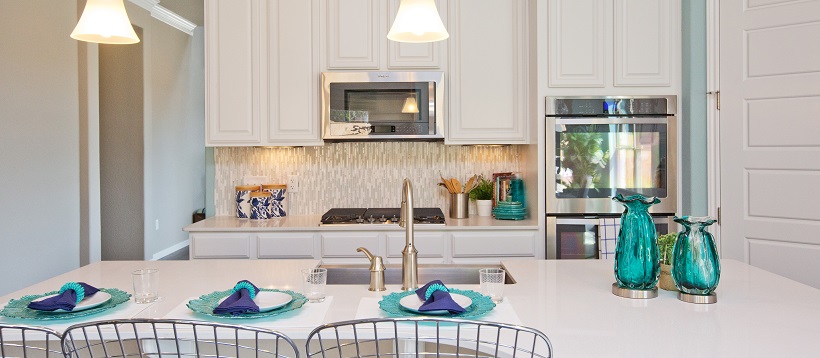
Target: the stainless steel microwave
pixel 382 106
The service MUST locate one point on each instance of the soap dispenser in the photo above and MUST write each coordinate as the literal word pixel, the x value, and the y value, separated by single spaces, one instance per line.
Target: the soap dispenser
pixel 376 270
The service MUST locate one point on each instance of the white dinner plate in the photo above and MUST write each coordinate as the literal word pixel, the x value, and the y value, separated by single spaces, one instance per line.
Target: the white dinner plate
pixel 88 301
pixel 413 302
pixel 269 301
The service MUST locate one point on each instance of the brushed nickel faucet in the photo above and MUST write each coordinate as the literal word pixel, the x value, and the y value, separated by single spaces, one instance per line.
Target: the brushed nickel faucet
pixel 409 256
pixel 376 270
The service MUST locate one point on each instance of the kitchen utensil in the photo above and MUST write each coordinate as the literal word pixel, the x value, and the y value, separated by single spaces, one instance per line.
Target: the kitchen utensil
pixel 469 186
pixel 456 185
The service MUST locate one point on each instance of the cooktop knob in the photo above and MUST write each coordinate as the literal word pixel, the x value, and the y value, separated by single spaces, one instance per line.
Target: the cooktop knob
pixel 371 219
pixel 382 219
pixel 359 219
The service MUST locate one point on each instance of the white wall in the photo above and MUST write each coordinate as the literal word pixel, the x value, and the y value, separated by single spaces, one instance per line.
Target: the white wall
pixel 39 142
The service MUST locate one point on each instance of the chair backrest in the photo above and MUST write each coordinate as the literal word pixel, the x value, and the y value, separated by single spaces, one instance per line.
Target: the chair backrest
pixel 27 341
pixel 426 337
pixel 173 338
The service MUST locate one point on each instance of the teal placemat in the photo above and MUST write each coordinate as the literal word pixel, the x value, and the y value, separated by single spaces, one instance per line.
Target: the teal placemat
pixel 18 308
pixel 480 306
pixel 205 304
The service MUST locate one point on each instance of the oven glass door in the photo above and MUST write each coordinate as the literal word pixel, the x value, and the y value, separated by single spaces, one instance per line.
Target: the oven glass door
pixel 381 102
pixel 603 157
pixel 578 238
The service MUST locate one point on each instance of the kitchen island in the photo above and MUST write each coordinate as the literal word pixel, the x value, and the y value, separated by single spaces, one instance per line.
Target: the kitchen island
pixel 758 313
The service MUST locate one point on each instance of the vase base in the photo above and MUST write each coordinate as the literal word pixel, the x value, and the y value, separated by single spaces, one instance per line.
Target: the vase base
pixel 698 299
pixel 635 294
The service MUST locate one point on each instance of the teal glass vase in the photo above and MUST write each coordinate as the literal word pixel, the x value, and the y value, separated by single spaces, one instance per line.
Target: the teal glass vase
pixel 637 258
pixel 695 261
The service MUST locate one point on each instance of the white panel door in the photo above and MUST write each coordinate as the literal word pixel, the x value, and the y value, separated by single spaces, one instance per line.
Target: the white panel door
pixel 489 72
pixel 577 42
pixel 353 35
pixel 644 38
pixel 291 90
pixel 769 142
pixel 231 33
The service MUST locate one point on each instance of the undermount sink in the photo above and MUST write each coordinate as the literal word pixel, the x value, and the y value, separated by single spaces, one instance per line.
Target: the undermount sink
pixel 449 274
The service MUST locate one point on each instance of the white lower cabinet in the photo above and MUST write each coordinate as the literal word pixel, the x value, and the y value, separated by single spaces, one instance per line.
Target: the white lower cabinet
pixel 493 246
pixel 432 247
pixel 221 246
pixel 339 247
pixel 287 245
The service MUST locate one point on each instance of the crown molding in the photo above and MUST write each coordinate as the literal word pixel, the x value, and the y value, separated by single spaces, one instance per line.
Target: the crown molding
pixel 167 16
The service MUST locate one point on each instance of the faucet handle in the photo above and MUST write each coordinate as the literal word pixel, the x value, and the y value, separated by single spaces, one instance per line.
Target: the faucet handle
pixel 376 270
pixel 366 252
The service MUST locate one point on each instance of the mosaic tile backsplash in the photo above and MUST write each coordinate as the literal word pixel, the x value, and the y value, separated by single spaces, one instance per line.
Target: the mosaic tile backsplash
pixel 358 174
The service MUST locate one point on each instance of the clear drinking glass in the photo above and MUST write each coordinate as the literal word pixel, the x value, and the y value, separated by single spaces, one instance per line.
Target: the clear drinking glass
pixel 146 285
pixel 314 281
pixel 492 283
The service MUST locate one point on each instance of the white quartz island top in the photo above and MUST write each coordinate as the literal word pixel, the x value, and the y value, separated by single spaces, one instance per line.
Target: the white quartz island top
pixel 311 223
pixel 758 314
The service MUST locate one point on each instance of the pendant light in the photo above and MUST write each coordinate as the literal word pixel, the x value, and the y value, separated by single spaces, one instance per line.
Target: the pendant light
pixel 410 105
pixel 417 21
pixel 106 22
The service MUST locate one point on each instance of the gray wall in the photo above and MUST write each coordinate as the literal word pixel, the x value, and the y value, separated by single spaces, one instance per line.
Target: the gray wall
pixel 39 142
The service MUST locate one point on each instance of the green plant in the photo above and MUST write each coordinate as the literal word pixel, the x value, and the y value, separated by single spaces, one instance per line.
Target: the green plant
pixel 665 245
pixel 483 190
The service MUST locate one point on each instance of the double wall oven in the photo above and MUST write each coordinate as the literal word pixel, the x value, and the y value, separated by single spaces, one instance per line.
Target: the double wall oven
pixel 598 147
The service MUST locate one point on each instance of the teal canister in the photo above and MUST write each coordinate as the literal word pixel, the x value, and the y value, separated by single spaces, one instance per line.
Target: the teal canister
pixel 637 258
pixel 695 261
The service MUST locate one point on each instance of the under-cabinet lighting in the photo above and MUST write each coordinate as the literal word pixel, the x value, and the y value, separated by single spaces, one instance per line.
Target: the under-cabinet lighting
pixel 417 21
pixel 106 22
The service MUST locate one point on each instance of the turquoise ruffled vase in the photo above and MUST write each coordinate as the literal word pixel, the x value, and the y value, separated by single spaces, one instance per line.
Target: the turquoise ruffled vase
pixel 637 258
pixel 695 261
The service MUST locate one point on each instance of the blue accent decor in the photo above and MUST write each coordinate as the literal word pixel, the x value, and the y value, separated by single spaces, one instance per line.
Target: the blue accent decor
pixel 246 285
pixel 433 288
pixel 78 289
pixel 480 306
pixel 695 261
pixel 637 258
pixel 19 308
pixel 205 304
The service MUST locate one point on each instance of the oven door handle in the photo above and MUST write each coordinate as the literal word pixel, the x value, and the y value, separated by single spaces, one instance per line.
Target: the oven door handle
pixel 612 120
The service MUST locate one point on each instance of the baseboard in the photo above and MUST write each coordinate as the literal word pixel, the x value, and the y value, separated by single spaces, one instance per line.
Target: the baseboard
pixel 171 250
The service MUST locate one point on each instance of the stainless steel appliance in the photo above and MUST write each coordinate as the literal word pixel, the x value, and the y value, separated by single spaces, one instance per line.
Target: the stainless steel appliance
pixel 383 105
pixel 598 147
pixel 380 216
pixel 577 237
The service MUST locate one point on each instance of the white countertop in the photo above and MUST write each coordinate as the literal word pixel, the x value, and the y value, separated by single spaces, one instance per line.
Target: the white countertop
pixel 311 223
pixel 758 313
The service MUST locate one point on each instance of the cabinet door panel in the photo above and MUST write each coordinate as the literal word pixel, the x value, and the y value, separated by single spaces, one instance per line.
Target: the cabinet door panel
pixel 413 55
pixel 643 42
pixel 489 72
pixel 291 92
pixel 494 244
pixel 221 246
pixel 577 43
pixel 285 245
pixel 344 244
pixel 232 109
pixel 353 34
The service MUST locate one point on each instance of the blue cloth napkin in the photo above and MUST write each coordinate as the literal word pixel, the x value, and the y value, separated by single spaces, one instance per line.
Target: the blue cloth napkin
pixel 439 298
pixel 239 302
pixel 65 301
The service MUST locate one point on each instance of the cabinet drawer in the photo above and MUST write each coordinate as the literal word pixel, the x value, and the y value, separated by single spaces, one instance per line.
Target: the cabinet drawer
pixel 227 246
pixel 285 246
pixel 428 244
pixel 345 244
pixel 494 244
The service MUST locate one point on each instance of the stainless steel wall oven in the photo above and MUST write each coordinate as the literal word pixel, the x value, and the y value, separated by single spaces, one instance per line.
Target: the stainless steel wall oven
pixel 598 147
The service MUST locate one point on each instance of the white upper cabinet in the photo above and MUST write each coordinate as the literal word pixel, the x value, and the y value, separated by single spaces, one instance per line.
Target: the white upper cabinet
pixel 489 77
pixel 356 38
pixel 262 74
pixel 613 43
pixel 231 33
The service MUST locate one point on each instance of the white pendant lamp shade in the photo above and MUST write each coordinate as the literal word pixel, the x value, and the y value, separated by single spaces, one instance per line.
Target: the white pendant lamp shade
pixel 417 21
pixel 105 21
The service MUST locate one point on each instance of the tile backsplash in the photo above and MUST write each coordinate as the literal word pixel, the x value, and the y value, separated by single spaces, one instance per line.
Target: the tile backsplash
pixel 358 174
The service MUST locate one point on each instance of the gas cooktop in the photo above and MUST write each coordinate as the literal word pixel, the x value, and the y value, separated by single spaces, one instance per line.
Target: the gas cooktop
pixel 380 216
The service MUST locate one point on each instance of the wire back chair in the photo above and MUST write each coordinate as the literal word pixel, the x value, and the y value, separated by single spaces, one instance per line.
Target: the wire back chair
pixel 425 337
pixel 173 338
pixel 27 341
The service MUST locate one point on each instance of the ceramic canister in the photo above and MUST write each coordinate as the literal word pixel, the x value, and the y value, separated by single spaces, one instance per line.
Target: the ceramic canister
pixel 260 200
pixel 276 209
pixel 243 200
